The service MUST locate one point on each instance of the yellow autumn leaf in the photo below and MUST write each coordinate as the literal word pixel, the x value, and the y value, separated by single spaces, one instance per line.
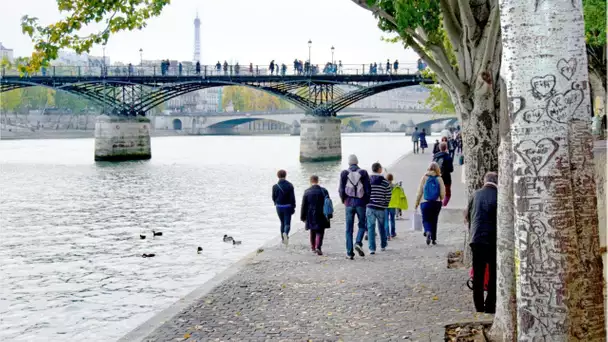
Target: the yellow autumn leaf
pixel 187 335
pixel 329 314
pixel 435 298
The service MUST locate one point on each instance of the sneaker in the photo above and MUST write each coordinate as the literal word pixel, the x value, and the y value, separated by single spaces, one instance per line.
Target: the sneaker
pixel 372 252
pixel 319 252
pixel 383 249
pixel 428 240
pixel 351 257
pixel 394 236
pixel 424 234
pixel 285 239
pixel 434 242
pixel 359 250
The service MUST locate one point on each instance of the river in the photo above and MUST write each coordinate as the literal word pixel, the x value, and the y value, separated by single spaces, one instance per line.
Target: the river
pixel 70 252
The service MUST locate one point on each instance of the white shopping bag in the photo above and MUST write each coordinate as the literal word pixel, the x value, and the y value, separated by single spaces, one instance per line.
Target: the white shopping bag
pixel 417 220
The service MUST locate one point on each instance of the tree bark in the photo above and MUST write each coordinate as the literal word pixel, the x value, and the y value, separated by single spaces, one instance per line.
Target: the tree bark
pixel 504 327
pixel 558 264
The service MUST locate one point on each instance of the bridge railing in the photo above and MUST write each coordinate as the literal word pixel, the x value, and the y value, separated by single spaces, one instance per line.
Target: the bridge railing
pixel 211 70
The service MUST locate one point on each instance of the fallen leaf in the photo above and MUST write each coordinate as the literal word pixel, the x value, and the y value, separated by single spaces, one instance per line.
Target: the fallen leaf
pixel 329 314
pixel 187 335
pixel 435 298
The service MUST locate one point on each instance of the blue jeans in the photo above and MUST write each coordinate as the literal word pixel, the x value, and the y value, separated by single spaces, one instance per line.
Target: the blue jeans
pixel 430 215
pixel 285 217
pixel 389 217
pixel 373 215
pixel 350 224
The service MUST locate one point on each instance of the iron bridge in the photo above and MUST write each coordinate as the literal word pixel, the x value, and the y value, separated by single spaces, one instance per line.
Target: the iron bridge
pixel 136 93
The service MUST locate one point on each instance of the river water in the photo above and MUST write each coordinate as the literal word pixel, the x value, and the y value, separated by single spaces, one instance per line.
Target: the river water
pixel 70 252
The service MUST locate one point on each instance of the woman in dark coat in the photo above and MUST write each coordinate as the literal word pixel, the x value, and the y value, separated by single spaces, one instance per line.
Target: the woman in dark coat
pixel 312 213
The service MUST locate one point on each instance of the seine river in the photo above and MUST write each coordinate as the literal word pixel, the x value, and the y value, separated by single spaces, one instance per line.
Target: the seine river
pixel 70 252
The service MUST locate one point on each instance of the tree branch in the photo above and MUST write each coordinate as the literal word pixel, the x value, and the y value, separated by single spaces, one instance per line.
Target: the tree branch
pixel 451 24
pixel 491 38
pixel 466 15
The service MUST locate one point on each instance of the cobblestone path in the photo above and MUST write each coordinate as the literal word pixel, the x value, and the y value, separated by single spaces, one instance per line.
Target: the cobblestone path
pixel 290 294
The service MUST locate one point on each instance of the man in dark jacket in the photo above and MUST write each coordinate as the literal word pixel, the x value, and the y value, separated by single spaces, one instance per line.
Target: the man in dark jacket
pixel 481 216
pixel 312 213
pixel 284 200
pixel 354 193
pixel 379 198
pixel 446 164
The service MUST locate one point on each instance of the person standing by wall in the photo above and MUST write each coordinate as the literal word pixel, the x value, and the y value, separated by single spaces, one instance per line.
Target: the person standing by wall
pixel 312 213
pixel 481 217
pixel 431 192
pixel 284 199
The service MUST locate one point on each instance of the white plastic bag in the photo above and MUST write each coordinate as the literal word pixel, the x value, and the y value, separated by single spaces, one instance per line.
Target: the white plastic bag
pixel 417 220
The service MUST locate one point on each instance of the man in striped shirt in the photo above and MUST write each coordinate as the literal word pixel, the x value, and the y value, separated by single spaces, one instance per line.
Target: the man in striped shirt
pixel 380 196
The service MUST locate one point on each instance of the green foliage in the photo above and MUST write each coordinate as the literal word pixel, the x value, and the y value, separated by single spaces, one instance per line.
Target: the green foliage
pixel 439 101
pixel 412 14
pixel 118 15
pixel 595 22
pixel 247 99
pixel 38 98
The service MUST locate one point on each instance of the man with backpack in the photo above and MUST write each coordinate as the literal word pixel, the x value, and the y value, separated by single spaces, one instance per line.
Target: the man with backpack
pixel 379 198
pixel 316 212
pixel 354 192
pixel 446 165
pixel 284 200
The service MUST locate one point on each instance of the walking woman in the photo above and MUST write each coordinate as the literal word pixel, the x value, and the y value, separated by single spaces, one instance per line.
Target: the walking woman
pixel 423 143
pixel 431 192
pixel 312 214
pixel 284 200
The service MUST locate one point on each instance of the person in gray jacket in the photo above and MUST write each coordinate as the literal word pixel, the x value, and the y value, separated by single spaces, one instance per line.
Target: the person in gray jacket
pixel 481 216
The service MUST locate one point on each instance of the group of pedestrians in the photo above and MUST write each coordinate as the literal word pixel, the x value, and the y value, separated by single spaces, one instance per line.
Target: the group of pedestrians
pixel 419 140
pixel 391 68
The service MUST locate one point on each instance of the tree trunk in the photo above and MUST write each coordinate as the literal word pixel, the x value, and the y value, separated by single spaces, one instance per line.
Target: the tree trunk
pixel 559 268
pixel 504 327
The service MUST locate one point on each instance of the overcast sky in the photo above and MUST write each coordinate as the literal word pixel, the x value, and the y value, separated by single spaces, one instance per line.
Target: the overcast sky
pixel 234 30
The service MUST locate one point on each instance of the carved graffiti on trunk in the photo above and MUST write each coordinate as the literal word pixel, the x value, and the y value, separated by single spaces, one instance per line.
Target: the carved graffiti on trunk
pixel 532 116
pixel 536 154
pixel 567 68
pixel 561 106
pixel 516 104
pixel 542 86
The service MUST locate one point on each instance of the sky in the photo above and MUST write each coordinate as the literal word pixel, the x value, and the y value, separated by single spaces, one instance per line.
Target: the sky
pixel 244 31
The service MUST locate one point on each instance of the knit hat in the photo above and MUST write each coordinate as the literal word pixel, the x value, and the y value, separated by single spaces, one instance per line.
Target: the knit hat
pixel 352 160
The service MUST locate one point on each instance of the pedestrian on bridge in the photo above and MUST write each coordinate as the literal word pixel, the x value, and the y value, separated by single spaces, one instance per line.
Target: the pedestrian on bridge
pixel 271 67
pixel 218 67
pixel 396 66
pixel 284 199
pixel 388 66
pixel 179 68
pixel 225 67
pixel 198 68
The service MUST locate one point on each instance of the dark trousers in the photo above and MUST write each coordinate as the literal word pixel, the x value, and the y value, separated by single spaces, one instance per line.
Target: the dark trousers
pixel 316 238
pixel 484 254
pixel 416 147
pixel 448 194
pixel 285 218
pixel 430 215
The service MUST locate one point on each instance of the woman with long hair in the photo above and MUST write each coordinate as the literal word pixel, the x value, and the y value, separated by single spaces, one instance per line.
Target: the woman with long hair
pixel 431 192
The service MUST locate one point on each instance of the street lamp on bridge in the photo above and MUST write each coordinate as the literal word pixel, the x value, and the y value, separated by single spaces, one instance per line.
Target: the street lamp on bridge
pixel 309 46
pixel 332 54
pixel 141 59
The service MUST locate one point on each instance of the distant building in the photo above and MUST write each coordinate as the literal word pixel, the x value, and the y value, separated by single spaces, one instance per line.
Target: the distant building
pixel 68 62
pixel 6 53
pixel 197 39
pixel 400 98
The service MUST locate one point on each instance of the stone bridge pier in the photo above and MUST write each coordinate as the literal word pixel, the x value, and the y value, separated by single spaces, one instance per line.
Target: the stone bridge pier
pixel 320 139
pixel 121 138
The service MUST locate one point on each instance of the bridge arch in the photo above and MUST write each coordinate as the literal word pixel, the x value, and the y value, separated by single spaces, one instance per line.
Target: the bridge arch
pixel 231 123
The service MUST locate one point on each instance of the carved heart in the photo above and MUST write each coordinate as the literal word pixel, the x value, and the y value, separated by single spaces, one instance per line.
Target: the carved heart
pixel 533 115
pixel 567 68
pixel 536 154
pixel 543 85
pixel 561 107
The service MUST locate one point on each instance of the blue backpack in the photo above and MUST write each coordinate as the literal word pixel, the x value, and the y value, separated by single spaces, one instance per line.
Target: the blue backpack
pixel 432 189
pixel 328 207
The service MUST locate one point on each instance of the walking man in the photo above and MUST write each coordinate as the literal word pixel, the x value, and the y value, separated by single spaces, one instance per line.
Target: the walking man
pixel 354 193
pixel 446 165
pixel 481 216
pixel 379 198
pixel 416 140
pixel 312 213
pixel 284 200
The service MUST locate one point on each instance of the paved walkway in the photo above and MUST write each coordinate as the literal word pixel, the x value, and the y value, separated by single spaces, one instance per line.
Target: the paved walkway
pixel 290 294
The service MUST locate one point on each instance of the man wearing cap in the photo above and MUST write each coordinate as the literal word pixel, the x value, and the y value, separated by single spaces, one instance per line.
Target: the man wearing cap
pixel 354 193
